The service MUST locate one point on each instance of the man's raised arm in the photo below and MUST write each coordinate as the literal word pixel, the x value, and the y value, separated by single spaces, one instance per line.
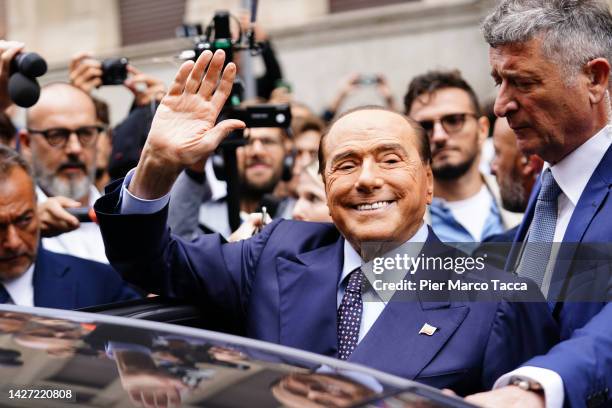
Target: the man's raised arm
pixel 183 131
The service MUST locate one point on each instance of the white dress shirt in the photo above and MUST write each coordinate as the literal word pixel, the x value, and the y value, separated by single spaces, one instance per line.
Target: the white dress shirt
pixel 371 309
pixel 572 175
pixel 84 242
pixel 21 289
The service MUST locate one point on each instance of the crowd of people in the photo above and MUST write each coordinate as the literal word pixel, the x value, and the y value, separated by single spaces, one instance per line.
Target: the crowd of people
pixel 321 200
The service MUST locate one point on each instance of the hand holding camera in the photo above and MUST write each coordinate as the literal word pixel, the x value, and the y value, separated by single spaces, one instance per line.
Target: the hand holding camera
pixel 18 73
pixel 146 88
pixel 88 73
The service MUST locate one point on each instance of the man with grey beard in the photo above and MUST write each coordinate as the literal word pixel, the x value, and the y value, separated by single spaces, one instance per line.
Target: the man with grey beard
pixel 60 141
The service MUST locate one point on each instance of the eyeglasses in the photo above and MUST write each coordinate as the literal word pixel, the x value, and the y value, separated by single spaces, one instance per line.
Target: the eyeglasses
pixel 58 137
pixel 451 123
pixel 266 143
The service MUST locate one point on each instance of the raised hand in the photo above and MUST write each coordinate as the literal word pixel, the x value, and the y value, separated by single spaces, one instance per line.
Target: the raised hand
pixel 183 131
pixel 8 50
pixel 145 88
pixel 85 72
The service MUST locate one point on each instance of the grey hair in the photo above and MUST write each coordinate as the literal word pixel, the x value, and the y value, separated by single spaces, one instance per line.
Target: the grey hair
pixel 573 32
pixel 9 159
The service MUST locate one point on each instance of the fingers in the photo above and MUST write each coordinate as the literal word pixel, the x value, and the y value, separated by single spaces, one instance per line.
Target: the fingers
pixel 8 50
pixel 195 78
pixel 87 75
pixel 178 85
pixel 54 218
pixel 133 70
pixel 225 86
pixel 214 136
pixel 212 74
pixel 77 59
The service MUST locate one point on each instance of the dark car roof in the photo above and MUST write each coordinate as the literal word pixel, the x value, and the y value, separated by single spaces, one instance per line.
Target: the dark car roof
pixel 108 361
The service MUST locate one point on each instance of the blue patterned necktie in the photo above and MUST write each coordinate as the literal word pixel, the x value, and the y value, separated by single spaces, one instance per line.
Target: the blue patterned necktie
pixel 349 315
pixel 541 232
pixel 4 295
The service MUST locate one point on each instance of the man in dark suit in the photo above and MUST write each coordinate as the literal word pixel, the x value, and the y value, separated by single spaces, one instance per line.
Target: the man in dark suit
pixel 32 276
pixel 303 284
pixel 551 61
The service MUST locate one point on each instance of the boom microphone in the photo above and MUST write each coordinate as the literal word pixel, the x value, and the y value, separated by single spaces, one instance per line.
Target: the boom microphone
pixel 24 91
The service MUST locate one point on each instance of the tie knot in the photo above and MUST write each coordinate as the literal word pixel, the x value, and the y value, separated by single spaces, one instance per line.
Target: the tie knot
pixel 550 190
pixel 355 282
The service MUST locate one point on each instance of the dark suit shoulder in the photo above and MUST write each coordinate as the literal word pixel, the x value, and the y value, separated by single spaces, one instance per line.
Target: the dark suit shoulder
pixel 290 237
pixel 78 263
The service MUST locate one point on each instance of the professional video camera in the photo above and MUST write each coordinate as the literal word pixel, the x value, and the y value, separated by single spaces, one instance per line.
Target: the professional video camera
pixel 218 35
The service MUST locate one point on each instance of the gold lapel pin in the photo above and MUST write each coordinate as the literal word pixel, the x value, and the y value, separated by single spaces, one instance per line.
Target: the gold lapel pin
pixel 428 329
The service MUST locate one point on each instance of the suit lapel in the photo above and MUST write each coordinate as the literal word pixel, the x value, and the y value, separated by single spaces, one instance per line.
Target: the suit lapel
pixel 51 287
pixel 594 195
pixel 523 229
pixel 308 304
pixel 394 343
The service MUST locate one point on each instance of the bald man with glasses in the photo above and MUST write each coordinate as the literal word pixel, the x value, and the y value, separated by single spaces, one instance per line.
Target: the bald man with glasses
pixel 60 141
pixel 466 207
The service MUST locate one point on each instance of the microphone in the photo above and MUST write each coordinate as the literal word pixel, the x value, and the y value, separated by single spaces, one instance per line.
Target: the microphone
pixel 30 64
pixel 22 90
pixel 83 214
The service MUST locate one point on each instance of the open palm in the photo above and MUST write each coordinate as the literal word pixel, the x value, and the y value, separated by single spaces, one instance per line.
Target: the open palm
pixel 183 131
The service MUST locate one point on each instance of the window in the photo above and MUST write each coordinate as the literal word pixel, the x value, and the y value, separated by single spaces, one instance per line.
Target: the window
pixel 337 6
pixel 149 20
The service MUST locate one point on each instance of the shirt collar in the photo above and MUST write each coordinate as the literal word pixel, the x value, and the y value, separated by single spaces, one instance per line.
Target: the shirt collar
pixel 21 289
pixel 573 172
pixel 352 260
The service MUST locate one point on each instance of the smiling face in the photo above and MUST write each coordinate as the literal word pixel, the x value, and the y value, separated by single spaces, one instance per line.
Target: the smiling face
pixel 19 226
pixel 376 183
pixel 549 116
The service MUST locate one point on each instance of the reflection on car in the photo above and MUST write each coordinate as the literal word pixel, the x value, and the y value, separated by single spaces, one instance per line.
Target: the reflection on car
pixel 105 361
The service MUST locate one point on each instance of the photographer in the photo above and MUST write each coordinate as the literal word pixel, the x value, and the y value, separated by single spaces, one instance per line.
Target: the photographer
pixel 129 136
pixel 261 164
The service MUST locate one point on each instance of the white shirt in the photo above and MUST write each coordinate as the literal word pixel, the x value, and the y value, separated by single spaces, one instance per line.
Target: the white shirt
pixel 464 210
pixel 84 242
pixel 371 309
pixel 21 289
pixel 572 175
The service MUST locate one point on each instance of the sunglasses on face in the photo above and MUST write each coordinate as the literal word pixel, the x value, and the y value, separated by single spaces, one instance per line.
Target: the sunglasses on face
pixel 451 123
pixel 58 137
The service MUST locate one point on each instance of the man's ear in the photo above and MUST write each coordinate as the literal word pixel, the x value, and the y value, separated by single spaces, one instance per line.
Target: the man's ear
pixel 24 144
pixel 533 167
pixel 483 129
pixel 598 74
pixel 430 183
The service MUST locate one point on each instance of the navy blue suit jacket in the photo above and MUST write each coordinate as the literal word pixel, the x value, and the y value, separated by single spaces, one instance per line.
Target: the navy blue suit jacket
pixel 67 282
pixel 281 286
pixel 583 359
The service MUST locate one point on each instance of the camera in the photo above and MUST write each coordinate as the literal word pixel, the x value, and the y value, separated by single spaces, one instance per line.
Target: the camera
pixel 114 71
pixel 256 116
pixel 366 80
